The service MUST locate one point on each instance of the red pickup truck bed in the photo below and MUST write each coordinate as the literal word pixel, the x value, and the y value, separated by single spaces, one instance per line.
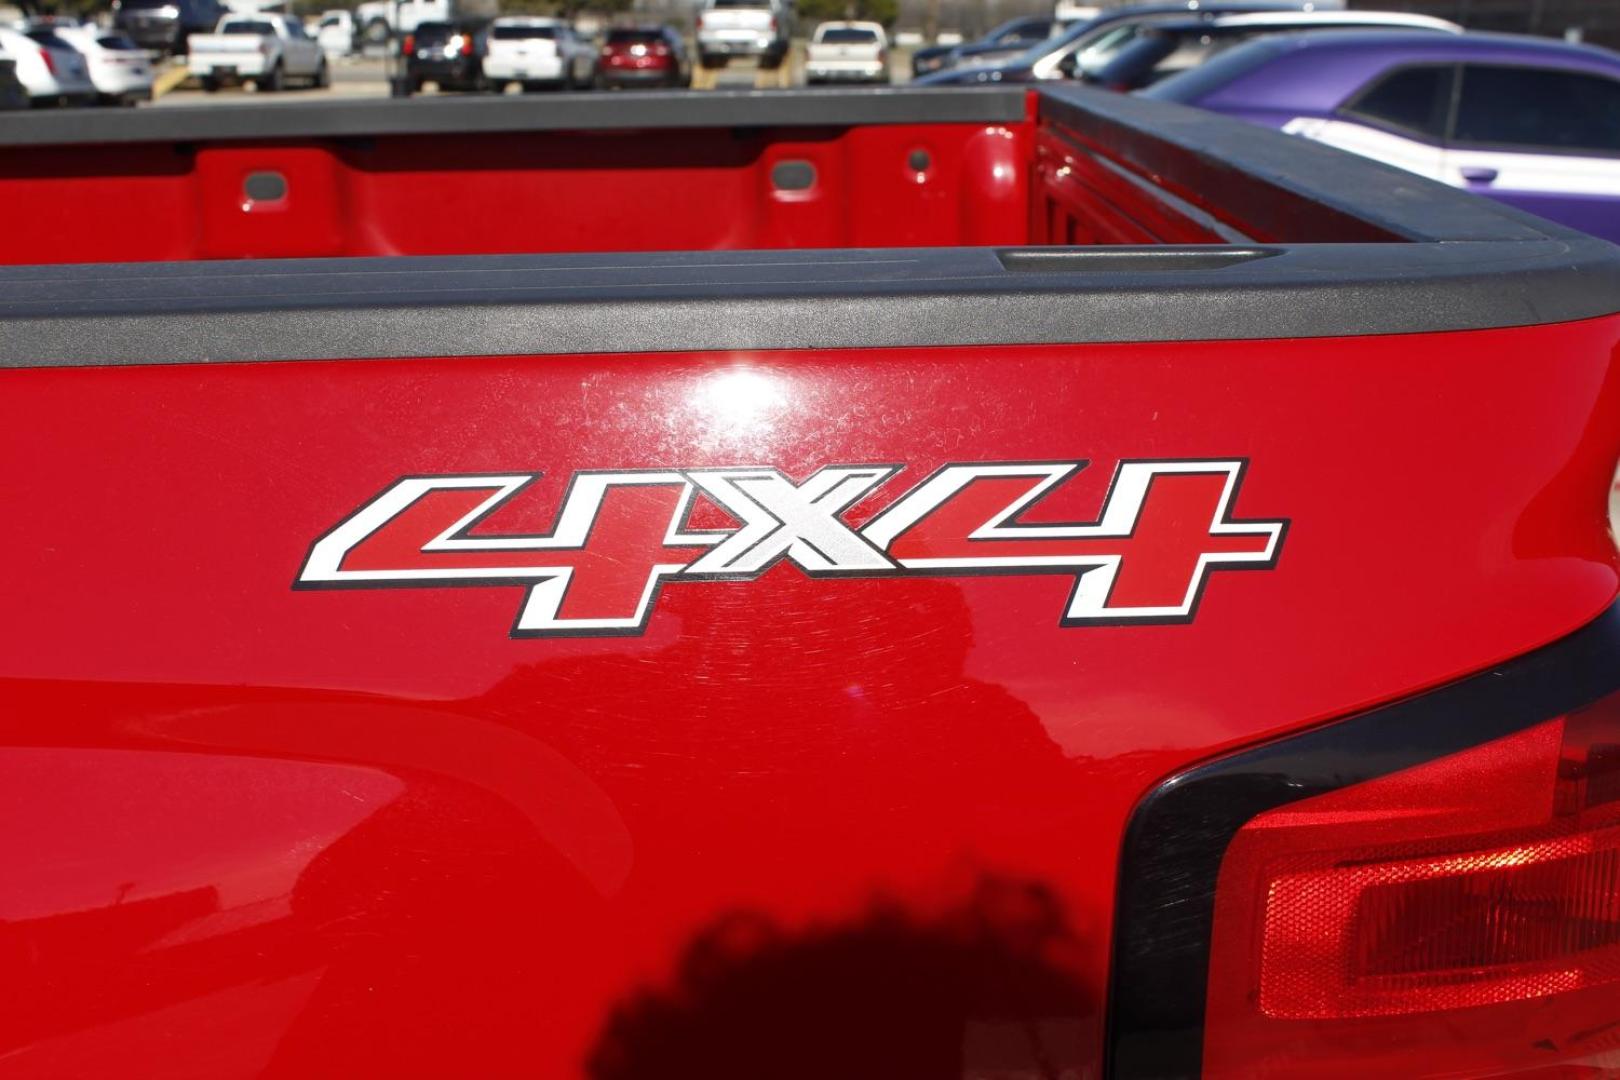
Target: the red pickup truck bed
pixel 744 585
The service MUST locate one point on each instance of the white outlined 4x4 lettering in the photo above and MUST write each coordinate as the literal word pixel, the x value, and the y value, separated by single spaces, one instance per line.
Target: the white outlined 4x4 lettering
pixel 619 537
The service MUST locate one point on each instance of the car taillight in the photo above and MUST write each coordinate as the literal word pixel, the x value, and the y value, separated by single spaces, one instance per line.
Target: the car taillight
pixel 50 61
pixel 1460 917
pixel 1427 889
pixel 409 45
pixel 466 45
pixel 772 25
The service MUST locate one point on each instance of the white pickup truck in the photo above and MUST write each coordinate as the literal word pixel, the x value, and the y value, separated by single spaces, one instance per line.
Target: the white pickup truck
pixel 263 49
pixel 727 28
pixel 847 52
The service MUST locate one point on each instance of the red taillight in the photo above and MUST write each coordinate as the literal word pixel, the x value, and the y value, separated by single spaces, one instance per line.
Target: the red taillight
pixel 466 45
pixel 1457 918
pixel 50 62
pixel 409 45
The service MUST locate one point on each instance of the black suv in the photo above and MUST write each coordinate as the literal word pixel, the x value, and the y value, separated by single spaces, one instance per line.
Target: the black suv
pixel 164 25
pixel 450 54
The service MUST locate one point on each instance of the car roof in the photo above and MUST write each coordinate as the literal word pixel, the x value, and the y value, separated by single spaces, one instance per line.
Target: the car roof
pixel 1316 71
pixel 527 20
pixel 1282 22
pixel 1396 19
pixel 1468 44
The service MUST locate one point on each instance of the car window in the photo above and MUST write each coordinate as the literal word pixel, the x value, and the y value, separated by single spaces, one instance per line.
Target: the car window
pixel 524 33
pixel 331 20
pixel 739 3
pixel 433 31
pixel 48 38
pixel 1094 54
pixel 247 26
pixel 119 42
pixel 295 29
pixel 1538 109
pixel 845 35
pixel 1414 99
pixel 635 37
pixel 142 5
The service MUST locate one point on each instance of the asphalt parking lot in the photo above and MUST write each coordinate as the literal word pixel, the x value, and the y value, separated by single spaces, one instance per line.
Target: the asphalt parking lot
pixel 367 77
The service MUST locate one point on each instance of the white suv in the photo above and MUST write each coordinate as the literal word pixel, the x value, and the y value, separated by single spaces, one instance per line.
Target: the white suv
pixel 537 52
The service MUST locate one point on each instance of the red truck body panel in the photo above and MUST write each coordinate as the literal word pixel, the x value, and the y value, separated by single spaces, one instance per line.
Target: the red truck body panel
pixel 792 824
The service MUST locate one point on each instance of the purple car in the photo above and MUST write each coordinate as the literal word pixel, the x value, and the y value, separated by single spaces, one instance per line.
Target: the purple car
pixel 1530 121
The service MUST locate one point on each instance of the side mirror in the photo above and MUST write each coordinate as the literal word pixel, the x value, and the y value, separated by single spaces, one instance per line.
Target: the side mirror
pixel 1068 65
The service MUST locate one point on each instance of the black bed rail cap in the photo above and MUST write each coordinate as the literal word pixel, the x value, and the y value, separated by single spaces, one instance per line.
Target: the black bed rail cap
pixel 1281 184
pixel 482 113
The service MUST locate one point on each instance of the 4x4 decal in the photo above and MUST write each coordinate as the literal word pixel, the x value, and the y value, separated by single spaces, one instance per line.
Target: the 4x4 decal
pixel 619 537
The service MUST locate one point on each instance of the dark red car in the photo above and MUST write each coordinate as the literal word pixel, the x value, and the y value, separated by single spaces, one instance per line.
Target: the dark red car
pixel 643 56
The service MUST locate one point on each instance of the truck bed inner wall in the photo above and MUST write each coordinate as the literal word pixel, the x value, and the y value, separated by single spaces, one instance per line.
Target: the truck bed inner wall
pixel 539 192
pixel 1059 178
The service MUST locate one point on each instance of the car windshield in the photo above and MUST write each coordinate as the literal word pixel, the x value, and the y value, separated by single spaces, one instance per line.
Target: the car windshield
pixel 248 26
pixel 331 20
pixel 48 38
pixel 1082 33
pixel 524 33
pixel 117 42
pixel 145 5
pixel 846 35
pixel 739 4
pixel 1157 54
pixel 634 37
pixel 1197 83
pixel 428 32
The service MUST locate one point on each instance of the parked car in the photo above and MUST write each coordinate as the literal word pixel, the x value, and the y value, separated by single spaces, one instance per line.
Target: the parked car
pixel 263 49
pixel 50 70
pixel 1050 58
pixel 1008 39
pixel 1143 55
pixel 536 53
pixel 165 26
pixel 847 52
pixel 1531 122
pixel 336 33
pixel 758 28
pixel 381 21
pixel 120 70
pixel 450 55
pixel 643 56
pixel 13 95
